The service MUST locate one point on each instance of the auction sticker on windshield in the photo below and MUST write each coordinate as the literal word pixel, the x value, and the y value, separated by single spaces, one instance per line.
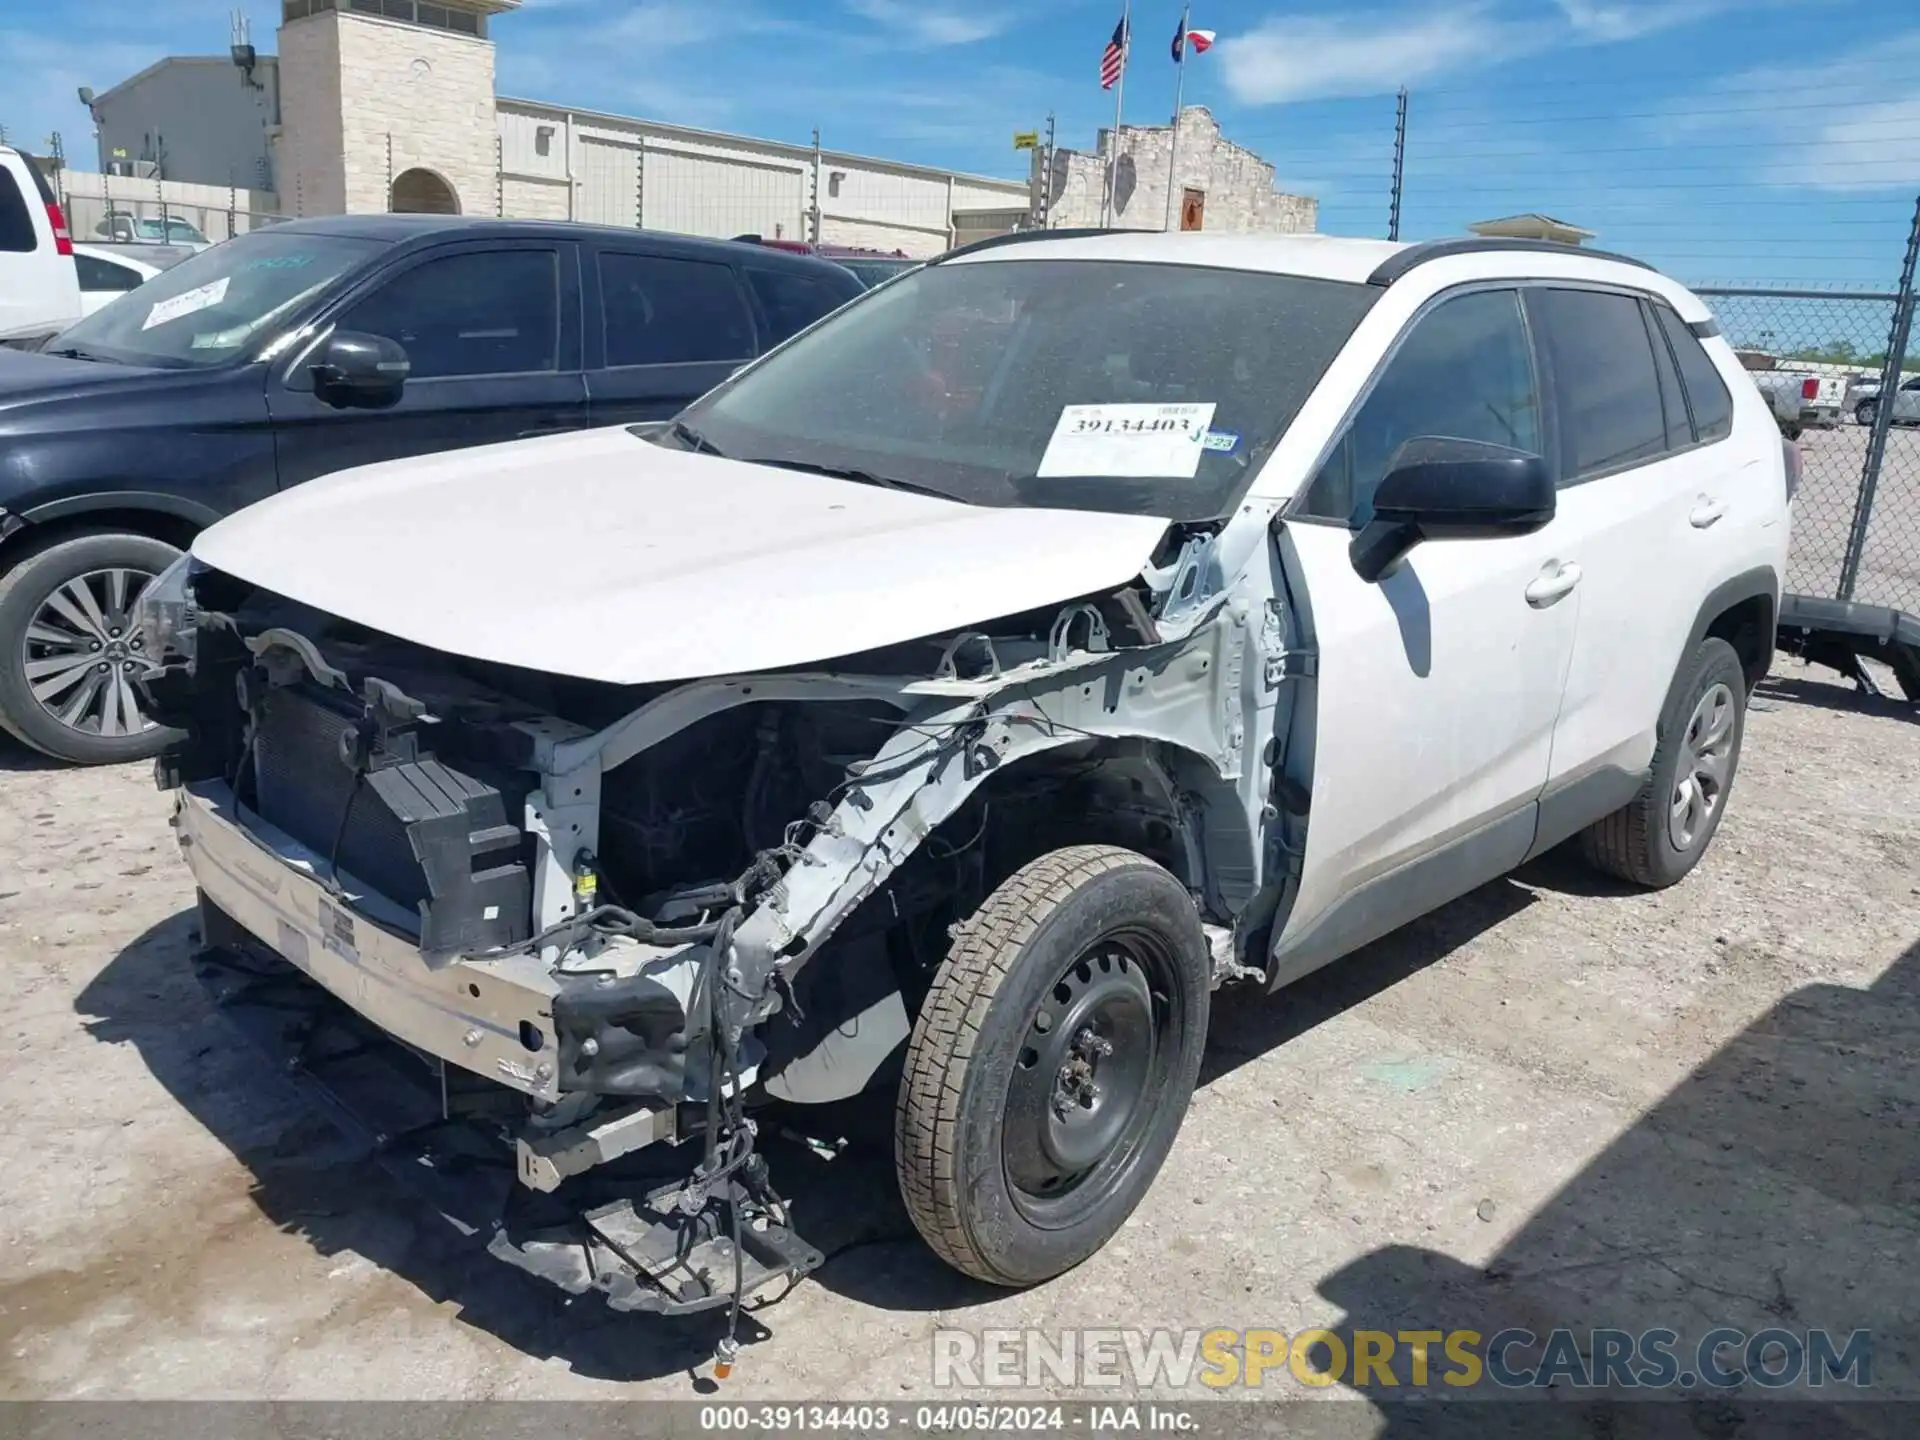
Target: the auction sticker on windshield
pixel 1143 442
pixel 201 297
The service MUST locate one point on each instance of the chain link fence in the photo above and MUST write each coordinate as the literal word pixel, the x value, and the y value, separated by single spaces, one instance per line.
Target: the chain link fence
pixel 1857 520
pixel 127 209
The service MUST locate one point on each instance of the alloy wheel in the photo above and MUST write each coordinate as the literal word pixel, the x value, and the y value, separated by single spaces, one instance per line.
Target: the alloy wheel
pixel 83 652
pixel 1706 759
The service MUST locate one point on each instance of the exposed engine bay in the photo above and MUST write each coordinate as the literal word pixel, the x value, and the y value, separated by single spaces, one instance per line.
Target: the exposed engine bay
pixel 610 922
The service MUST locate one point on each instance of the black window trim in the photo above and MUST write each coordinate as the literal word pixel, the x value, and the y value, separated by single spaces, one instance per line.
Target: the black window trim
pixel 597 309
pixel 322 320
pixel 1661 345
pixel 1291 512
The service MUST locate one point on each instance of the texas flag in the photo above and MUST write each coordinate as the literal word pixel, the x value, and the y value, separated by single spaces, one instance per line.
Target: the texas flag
pixel 1200 40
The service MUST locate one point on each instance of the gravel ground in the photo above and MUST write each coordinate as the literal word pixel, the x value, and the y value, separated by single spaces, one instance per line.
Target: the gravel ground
pixel 1550 1103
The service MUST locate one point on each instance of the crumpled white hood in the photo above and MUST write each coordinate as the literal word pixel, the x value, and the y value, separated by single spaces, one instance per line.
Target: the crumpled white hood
pixel 605 557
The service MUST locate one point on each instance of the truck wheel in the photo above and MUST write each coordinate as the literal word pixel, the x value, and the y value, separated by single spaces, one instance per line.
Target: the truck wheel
pixel 1658 836
pixel 70 651
pixel 1052 1063
pixel 1863 412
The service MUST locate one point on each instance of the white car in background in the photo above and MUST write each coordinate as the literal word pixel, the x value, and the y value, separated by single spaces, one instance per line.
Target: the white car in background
pixel 39 291
pixel 106 275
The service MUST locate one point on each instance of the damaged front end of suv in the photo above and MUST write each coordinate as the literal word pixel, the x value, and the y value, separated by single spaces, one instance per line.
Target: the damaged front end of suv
pixel 611 921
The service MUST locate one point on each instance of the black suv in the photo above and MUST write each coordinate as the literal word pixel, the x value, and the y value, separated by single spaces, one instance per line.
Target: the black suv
pixel 309 347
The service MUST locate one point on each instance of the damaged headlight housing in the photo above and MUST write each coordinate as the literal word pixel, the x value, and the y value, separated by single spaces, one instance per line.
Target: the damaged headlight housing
pixel 164 613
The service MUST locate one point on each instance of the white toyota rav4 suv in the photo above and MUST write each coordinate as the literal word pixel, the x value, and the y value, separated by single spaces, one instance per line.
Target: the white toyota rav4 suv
pixel 949 703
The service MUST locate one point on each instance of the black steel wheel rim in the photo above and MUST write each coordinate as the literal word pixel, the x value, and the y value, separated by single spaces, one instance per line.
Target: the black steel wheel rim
pixel 1096 1060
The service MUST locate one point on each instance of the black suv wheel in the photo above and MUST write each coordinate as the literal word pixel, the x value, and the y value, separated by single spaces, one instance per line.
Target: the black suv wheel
pixel 70 649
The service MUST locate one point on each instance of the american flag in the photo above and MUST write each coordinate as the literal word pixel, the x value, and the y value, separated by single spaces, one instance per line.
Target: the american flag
pixel 1114 58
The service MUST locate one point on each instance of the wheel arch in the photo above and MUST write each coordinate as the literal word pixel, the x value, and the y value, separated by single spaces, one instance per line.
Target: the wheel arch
pixel 1743 611
pixel 170 519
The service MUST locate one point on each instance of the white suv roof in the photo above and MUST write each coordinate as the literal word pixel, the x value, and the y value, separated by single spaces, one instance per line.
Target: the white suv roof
pixel 1330 257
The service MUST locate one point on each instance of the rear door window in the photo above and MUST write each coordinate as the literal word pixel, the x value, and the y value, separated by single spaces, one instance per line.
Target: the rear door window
pixel 662 310
pixel 17 234
pixel 1707 394
pixel 792 301
pixel 1605 384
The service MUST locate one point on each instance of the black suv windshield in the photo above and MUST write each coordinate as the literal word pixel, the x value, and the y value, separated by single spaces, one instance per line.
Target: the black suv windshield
pixel 959 379
pixel 207 309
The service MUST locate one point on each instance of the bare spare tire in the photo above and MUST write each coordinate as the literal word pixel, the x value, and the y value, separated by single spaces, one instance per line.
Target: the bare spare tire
pixel 1051 1064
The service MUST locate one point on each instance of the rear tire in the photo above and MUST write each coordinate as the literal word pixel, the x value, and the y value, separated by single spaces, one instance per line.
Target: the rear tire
pixel 66 630
pixel 1660 835
pixel 1863 412
pixel 1052 1063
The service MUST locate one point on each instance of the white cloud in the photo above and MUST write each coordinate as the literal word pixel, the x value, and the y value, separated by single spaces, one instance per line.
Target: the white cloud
pixel 919 23
pixel 1852 123
pixel 1310 57
pixel 1296 57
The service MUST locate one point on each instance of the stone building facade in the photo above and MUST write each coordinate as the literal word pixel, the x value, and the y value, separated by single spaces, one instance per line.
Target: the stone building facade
pixel 381 114
pixel 1220 186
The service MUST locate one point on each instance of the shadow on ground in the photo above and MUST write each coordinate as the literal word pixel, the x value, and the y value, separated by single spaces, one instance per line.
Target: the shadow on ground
pixel 16 758
pixel 1778 1187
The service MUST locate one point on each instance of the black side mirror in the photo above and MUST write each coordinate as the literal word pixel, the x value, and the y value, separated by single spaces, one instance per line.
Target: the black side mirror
pixel 360 372
pixel 1443 489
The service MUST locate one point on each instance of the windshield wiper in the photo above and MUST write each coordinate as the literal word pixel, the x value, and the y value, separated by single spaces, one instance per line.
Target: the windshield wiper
pixel 693 439
pixel 859 477
pixel 74 352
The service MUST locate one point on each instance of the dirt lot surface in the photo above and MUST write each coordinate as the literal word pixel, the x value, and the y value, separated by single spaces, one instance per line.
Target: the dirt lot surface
pixel 1552 1103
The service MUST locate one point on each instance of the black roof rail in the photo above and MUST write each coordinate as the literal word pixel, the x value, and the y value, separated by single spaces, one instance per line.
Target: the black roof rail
pixel 1397 265
pixel 1017 237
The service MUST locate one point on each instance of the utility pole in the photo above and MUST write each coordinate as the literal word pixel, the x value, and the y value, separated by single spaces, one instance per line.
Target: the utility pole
pixel 813 210
pixel 1400 162
pixel 1046 178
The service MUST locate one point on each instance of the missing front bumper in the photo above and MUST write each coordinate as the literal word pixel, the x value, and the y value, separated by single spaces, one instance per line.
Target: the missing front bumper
pixel 623 1230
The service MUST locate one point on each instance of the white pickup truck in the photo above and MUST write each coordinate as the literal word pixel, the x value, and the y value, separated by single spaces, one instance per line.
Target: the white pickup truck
pixel 1796 400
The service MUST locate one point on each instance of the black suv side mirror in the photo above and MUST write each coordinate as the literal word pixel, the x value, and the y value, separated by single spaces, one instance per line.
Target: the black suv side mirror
pixel 360 372
pixel 1444 489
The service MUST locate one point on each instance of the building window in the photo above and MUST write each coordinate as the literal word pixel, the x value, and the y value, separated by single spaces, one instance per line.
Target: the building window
pixel 543 140
pixel 424 13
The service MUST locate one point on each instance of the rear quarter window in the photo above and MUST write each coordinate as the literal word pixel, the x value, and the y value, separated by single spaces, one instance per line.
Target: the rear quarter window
pixel 17 233
pixel 1707 394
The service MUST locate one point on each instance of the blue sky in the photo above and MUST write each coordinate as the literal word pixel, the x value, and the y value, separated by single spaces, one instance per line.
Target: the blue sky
pixel 1728 140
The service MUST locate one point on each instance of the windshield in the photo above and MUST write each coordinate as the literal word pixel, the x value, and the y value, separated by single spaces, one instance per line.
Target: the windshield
pixel 210 307
pixel 1074 384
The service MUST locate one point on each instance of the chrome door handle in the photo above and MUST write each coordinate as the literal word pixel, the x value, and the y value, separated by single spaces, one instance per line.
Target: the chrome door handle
pixel 1706 513
pixel 1552 585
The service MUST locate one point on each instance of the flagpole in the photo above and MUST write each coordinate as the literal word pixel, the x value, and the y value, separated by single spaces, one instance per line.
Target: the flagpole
pixel 1179 97
pixel 1119 98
